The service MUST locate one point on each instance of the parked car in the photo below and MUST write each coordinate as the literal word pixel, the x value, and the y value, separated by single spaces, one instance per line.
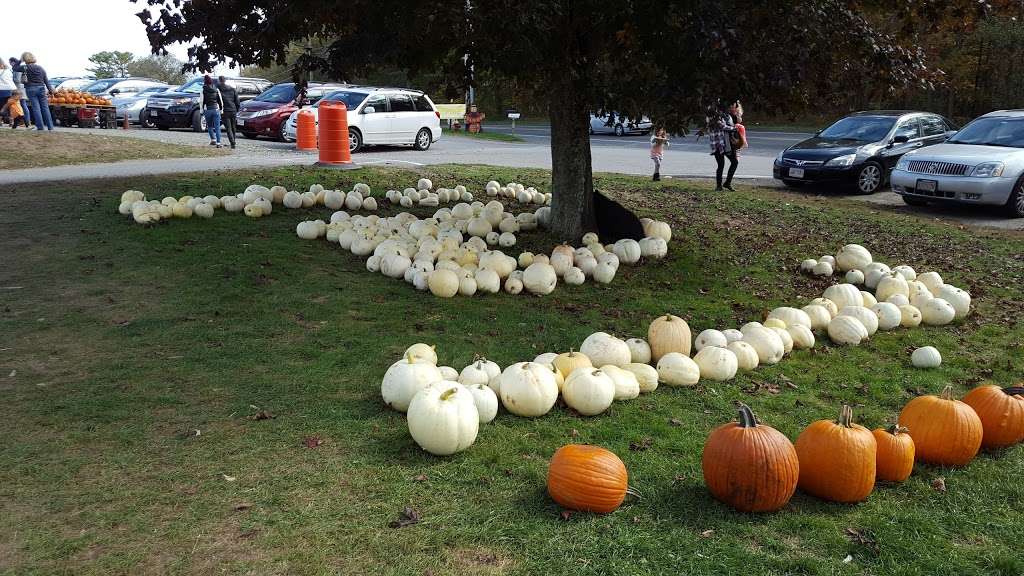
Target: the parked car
pixel 180 108
pixel 981 164
pixel 860 149
pixel 71 83
pixel 614 123
pixel 134 105
pixel 114 87
pixel 382 116
pixel 266 114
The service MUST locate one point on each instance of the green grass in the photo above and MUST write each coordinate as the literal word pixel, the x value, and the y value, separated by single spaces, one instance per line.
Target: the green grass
pixel 33 149
pixel 485 135
pixel 120 342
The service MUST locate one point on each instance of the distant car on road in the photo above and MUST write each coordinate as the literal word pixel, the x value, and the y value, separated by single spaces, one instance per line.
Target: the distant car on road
pixel 266 114
pixel 381 116
pixel 179 108
pixel 614 123
pixel 134 105
pixel 981 164
pixel 860 149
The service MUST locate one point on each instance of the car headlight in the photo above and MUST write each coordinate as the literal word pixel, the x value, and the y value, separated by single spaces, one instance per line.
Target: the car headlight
pixel 903 164
pixel 988 170
pixel 182 101
pixel 259 113
pixel 841 161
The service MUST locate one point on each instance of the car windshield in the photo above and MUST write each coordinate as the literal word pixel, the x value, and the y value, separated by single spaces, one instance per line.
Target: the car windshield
pixel 280 94
pixel 860 128
pixel 352 100
pixel 994 131
pixel 101 85
pixel 194 86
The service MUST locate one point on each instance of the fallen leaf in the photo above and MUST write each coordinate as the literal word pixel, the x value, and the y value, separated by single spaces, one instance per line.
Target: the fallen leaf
pixel 707 533
pixel 642 444
pixel 939 484
pixel 565 515
pixel 636 519
pixel 675 421
pixel 312 441
pixel 263 415
pixel 574 433
pixel 420 478
pixel 242 507
pixel 848 559
pixel 229 478
pixel 408 517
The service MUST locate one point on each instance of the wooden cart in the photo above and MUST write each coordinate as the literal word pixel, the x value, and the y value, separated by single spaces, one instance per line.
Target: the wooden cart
pixel 84 115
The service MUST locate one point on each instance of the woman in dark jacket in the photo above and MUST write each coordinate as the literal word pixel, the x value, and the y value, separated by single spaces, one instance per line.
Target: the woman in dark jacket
pixel 212 105
pixel 720 130
pixel 230 115
pixel 37 87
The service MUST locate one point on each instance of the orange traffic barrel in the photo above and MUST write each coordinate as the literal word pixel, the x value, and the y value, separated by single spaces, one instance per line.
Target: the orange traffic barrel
pixel 333 135
pixel 305 137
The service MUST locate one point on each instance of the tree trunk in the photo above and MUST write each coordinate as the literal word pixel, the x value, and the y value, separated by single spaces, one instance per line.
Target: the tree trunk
pixel 572 184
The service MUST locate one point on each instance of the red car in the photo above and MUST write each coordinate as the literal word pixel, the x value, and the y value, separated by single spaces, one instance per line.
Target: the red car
pixel 265 114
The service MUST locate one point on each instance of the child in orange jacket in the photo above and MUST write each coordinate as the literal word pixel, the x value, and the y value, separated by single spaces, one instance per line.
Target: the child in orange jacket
pixel 13 106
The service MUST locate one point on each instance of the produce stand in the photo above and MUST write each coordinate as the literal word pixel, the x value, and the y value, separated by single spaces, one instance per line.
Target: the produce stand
pixel 84 115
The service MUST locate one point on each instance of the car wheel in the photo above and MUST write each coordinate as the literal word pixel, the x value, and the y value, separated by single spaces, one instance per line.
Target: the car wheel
pixel 869 178
pixel 422 141
pixel 619 131
pixel 793 183
pixel 144 119
pixel 355 140
pixel 1015 203
pixel 912 201
pixel 198 122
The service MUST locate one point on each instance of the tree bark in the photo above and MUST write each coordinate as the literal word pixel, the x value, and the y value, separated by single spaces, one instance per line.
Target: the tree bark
pixel 572 184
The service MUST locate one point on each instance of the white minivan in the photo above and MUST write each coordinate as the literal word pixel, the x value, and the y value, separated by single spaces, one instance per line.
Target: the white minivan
pixel 381 116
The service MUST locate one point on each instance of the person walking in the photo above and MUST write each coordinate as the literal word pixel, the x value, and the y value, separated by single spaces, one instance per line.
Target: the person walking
pixel 658 144
pixel 37 87
pixel 721 130
pixel 19 81
pixel 7 85
pixel 229 96
pixel 212 105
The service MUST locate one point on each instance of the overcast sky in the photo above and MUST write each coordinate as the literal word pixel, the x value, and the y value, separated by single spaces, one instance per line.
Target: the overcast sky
pixel 64 33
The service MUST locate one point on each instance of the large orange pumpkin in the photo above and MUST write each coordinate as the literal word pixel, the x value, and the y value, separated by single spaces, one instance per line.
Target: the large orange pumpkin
pixel 1001 411
pixel 587 478
pixel 895 459
pixel 946 431
pixel 837 459
pixel 749 466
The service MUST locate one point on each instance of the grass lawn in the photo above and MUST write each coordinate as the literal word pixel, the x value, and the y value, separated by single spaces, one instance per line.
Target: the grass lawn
pixel 134 362
pixel 485 135
pixel 32 149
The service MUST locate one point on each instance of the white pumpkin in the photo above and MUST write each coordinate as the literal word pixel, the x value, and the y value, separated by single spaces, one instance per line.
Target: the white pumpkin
pixel 808 265
pixel 931 280
pixel 627 386
pixel 333 199
pixel 306 230
pixel 715 363
pixel 486 401
pixel 513 285
pixel 746 356
pixel 604 272
pixel 467 286
pixel 658 229
pixel 443 283
pixel 937 312
pixel 627 250
pixel 507 240
pixel 906 271
pixel 769 346
pixel 828 305
pixel 889 315
pixel 899 300
pixel 710 337
pixel 787 340
pixel 847 331
pixel 791 316
pixel 528 389
pixel 424 184
pixel 540 278
pixel 926 357
pixel 822 269
pixel 819 316
pixel 602 348
pixel 674 369
pixel 910 316
pixel 854 277
pixel 449 373
pixel 774 323
pixel 203 210
pixel 853 257
pixel 525 259
pixel 443 418
pixel 487 281
pixel 405 378
pixel 646 376
pixel 394 265
pixel 827 258
pixel 421 351
pixel 844 295
pixel 866 316
pixel 890 284
pixel 653 248
pixel 589 238
pixel 732 335
pixel 868 298
pixel 251 210
pixel 802 336
pixel 574 276
pixel 959 299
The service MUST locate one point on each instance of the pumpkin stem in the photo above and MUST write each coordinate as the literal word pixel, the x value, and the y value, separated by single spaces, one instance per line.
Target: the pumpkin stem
pixel 947 392
pixel 845 417
pixel 408 357
pixel 1014 390
pixel 896 429
pixel 634 493
pixel 449 393
pixel 747 418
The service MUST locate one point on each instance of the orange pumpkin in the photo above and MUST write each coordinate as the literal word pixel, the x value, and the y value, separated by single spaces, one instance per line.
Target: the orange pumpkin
pixel 749 466
pixel 946 431
pixel 837 459
pixel 587 478
pixel 1001 411
pixel 895 459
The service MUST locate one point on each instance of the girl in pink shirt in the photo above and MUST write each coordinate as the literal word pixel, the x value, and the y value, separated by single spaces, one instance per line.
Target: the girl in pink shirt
pixel 658 144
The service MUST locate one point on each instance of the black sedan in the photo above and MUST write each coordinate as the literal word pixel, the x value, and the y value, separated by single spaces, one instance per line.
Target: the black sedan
pixel 860 149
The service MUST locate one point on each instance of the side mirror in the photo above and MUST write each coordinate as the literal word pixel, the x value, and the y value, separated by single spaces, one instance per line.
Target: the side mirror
pixel 900 139
pixel 950 134
pixel 115 92
pixel 369 109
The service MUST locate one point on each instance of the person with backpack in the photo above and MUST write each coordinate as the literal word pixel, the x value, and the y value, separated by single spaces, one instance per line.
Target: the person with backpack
pixel 724 140
pixel 213 103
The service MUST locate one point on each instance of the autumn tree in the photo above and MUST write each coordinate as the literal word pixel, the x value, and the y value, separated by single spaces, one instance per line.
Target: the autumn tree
pixel 110 64
pixel 162 67
pixel 667 59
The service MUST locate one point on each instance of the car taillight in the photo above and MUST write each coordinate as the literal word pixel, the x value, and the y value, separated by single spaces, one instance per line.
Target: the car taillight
pixel 438 114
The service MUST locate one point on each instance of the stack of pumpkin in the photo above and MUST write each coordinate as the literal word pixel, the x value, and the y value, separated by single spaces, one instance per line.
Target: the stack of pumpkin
pixel 64 96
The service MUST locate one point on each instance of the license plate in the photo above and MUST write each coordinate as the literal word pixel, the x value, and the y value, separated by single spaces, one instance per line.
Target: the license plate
pixel 153 113
pixel 796 172
pixel 927 185
pixel 241 122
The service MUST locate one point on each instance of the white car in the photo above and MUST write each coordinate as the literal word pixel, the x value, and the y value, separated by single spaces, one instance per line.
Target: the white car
pixel 983 163
pixel 614 123
pixel 135 104
pixel 381 116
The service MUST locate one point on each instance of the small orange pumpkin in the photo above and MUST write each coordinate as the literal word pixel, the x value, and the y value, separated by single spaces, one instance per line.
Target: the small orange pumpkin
pixel 1001 411
pixel 946 431
pixel 749 466
pixel 895 459
pixel 587 478
pixel 837 459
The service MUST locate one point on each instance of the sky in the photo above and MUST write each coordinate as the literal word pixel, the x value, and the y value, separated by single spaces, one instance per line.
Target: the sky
pixel 72 31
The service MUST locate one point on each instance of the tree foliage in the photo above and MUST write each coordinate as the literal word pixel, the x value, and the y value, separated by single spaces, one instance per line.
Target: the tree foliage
pixel 162 67
pixel 110 64
pixel 667 59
